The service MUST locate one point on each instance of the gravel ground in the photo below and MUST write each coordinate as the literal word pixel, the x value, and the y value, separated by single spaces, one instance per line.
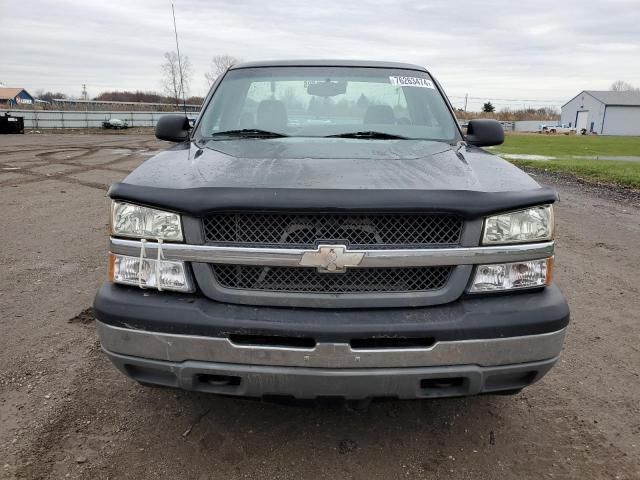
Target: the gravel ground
pixel 65 412
pixel 622 194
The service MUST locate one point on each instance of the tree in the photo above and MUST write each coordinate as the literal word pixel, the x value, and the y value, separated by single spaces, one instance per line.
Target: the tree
pixel 176 80
pixel 488 107
pixel 49 96
pixel 196 100
pixel 128 96
pixel 219 65
pixel 622 86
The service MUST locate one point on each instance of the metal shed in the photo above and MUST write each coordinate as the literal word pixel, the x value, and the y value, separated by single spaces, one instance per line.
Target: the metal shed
pixel 604 112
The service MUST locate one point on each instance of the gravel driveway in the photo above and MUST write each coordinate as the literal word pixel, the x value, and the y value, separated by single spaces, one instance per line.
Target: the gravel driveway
pixel 66 413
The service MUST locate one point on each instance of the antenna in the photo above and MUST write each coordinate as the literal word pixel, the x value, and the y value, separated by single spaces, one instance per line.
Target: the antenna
pixel 175 30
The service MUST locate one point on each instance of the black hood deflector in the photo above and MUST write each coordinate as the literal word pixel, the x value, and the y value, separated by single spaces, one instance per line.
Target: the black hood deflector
pixel 200 202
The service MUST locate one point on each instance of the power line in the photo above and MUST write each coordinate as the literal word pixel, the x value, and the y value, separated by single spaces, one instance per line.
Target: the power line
pixel 537 100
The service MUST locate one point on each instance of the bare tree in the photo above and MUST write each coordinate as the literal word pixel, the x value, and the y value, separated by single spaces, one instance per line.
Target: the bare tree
pixel 219 65
pixel 622 86
pixel 176 80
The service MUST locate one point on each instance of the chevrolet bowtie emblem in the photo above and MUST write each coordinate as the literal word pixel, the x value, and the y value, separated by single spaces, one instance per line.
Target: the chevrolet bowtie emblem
pixel 331 259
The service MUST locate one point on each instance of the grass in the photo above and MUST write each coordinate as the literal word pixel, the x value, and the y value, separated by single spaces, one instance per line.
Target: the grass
pixel 568 145
pixel 564 147
pixel 601 171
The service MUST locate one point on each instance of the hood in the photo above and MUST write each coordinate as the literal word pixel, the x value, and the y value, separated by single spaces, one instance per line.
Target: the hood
pixel 329 164
pixel 328 173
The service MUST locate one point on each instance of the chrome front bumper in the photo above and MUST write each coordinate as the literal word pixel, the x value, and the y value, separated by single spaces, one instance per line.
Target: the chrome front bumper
pixel 180 348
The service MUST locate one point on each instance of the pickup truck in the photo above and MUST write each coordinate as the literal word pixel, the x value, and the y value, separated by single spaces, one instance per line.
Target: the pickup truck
pixel 556 128
pixel 325 229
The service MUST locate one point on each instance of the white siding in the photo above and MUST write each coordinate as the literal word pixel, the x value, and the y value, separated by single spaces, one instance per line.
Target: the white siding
pixel 584 102
pixel 620 120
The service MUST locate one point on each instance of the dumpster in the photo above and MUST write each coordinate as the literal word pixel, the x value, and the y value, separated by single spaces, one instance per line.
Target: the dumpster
pixel 11 124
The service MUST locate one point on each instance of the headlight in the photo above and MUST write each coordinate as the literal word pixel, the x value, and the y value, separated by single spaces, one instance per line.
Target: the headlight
pixel 530 225
pixel 129 220
pixel 512 276
pixel 148 273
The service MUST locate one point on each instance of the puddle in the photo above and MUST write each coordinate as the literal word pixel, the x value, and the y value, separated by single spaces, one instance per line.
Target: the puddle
pixel 623 158
pixel 524 156
pixel 119 151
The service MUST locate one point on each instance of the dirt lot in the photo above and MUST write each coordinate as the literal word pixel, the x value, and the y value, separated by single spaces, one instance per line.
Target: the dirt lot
pixel 66 413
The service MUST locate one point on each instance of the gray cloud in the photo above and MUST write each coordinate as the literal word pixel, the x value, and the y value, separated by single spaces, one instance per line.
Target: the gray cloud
pixel 535 51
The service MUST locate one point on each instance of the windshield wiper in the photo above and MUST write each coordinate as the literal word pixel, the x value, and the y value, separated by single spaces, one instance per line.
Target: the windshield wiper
pixel 249 133
pixel 370 135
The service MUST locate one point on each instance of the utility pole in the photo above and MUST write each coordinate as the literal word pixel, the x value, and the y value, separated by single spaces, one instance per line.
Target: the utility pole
pixel 86 106
pixel 466 96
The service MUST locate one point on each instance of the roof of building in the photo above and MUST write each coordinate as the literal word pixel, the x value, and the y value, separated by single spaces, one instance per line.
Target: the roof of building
pixel 327 63
pixel 629 98
pixel 9 93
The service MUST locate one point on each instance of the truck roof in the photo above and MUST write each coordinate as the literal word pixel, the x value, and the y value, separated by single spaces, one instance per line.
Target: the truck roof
pixel 327 63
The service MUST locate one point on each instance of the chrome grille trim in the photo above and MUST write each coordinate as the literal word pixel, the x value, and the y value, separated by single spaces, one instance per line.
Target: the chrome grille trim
pixel 291 257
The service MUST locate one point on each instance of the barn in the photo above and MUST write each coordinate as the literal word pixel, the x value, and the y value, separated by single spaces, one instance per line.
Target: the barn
pixel 604 112
pixel 13 97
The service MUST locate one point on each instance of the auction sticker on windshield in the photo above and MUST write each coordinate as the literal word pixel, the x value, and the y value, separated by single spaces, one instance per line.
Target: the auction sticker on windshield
pixel 399 81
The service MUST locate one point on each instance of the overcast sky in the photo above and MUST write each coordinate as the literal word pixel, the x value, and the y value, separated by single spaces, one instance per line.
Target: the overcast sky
pixel 537 52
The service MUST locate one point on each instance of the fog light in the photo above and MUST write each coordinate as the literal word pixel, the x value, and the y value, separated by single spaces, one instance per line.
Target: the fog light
pixel 512 276
pixel 148 273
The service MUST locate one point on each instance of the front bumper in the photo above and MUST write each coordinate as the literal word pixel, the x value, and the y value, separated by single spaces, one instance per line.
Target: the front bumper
pixel 351 384
pixel 479 344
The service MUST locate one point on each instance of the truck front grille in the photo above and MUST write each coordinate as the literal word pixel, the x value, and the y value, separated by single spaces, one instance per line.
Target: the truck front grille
pixel 309 280
pixel 306 230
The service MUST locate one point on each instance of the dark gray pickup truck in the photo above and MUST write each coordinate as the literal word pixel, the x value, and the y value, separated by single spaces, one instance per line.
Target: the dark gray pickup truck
pixel 327 230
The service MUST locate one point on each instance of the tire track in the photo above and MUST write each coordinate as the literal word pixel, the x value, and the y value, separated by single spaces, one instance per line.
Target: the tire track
pixel 49 157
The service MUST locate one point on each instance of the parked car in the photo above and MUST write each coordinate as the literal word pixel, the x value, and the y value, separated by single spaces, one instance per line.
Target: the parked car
pixel 11 124
pixel 326 229
pixel 115 123
pixel 558 128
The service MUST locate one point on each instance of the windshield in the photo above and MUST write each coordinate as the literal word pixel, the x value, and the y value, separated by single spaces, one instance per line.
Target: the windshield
pixel 364 103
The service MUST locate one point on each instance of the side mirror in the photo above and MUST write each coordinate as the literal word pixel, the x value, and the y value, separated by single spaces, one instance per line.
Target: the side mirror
pixel 173 128
pixel 484 133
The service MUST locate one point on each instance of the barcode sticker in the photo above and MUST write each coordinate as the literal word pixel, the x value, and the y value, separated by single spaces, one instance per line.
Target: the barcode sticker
pixel 411 82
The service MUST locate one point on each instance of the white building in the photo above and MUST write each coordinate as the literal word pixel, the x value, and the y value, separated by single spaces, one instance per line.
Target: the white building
pixel 604 112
